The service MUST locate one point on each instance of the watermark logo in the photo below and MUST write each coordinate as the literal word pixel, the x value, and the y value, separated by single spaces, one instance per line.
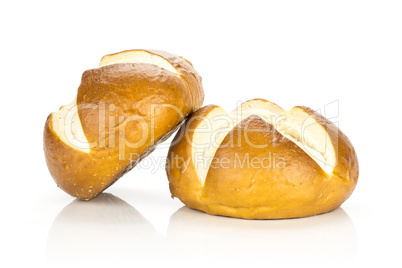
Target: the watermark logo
pixel 131 130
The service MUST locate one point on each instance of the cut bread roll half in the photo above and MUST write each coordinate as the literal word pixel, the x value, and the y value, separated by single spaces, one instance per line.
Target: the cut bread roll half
pixel 123 109
pixel 261 162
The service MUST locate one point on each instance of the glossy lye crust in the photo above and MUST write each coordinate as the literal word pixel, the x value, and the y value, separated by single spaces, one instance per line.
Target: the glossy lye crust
pixel 296 187
pixel 124 110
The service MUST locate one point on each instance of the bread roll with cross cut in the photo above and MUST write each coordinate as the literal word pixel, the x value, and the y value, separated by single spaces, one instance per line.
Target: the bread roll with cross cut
pixel 123 109
pixel 261 162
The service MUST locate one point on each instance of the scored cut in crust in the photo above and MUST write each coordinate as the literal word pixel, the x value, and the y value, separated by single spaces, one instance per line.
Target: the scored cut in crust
pixel 66 122
pixel 295 124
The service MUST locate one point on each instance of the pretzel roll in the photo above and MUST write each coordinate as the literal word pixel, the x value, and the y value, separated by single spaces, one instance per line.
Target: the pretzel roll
pixel 261 162
pixel 123 109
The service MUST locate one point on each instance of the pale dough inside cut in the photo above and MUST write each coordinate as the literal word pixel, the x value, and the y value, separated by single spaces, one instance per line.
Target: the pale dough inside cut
pixel 67 125
pixel 138 56
pixel 66 122
pixel 296 125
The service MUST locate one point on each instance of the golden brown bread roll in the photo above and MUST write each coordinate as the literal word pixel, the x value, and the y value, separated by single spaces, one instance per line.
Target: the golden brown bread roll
pixel 134 100
pixel 261 162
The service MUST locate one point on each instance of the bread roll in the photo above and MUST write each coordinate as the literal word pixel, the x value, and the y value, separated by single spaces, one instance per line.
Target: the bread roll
pixel 261 162
pixel 133 101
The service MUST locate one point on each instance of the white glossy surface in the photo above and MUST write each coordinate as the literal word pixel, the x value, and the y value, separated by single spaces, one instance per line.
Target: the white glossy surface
pixel 342 57
pixel 109 226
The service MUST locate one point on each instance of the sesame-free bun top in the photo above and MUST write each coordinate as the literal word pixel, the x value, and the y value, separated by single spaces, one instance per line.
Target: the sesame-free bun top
pixel 134 100
pixel 261 162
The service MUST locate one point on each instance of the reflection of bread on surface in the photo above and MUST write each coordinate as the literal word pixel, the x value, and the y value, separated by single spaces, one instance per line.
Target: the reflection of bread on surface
pixel 105 227
pixel 330 237
pixel 312 167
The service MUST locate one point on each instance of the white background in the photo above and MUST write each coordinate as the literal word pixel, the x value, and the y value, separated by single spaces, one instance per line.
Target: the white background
pixel 312 53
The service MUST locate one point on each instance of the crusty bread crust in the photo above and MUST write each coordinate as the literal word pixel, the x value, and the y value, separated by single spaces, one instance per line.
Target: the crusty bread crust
pixel 294 185
pixel 124 109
